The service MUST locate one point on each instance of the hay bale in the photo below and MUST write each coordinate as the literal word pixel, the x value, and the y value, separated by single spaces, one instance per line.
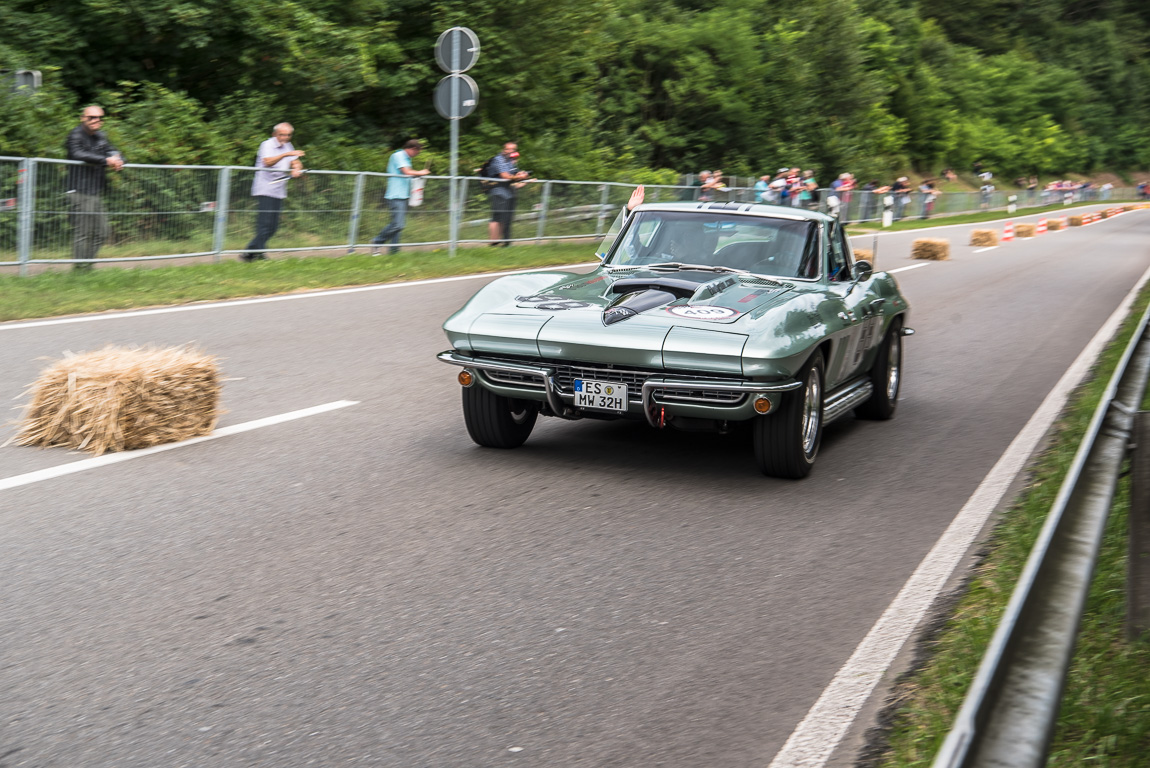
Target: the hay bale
pixel 122 399
pixel 864 254
pixel 931 248
pixel 1076 221
pixel 984 238
pixel 1105 213
pixel 1053 225
pixel 1024 230
pixel 1129 208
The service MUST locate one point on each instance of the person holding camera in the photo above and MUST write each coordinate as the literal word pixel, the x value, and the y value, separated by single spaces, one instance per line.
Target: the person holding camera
pixel 504 193
pixel 277 160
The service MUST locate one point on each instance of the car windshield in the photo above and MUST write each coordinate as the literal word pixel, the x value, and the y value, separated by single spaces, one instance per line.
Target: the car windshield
pixel 762 245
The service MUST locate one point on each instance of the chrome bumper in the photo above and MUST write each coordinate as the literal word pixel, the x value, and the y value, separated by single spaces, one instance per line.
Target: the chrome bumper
pixel 546 377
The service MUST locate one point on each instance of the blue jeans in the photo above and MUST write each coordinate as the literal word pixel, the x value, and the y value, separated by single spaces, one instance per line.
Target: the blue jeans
pixel 390 233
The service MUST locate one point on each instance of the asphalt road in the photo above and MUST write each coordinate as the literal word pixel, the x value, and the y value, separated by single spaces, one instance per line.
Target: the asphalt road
pixel 366 587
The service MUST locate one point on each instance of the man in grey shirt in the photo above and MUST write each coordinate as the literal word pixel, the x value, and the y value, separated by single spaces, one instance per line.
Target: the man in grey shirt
pixel 278 160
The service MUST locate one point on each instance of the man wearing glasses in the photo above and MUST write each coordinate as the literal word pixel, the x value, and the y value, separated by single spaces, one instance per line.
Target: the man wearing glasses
pixel 279 160
pixel 87 183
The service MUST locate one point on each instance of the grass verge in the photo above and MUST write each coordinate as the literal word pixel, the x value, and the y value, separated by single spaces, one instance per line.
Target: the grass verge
pixel 67 292
pixel 1105 716
pixel 868 227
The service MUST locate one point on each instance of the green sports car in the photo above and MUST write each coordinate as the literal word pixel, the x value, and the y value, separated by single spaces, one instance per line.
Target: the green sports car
pixel 701 316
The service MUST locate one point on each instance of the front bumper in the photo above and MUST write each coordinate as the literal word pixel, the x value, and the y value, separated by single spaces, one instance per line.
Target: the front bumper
pixel 687 395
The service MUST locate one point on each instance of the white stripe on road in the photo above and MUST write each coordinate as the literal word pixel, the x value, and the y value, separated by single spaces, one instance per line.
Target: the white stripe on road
pixel 15 326
pixel 115 458
pixel 904 269
pixel 983 250
pixel 816 737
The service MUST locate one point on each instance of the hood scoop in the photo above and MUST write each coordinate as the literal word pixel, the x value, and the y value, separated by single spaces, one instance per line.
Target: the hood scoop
pixel 641 294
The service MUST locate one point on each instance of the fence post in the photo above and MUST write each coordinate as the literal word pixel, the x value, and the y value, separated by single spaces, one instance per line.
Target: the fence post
pixel 1138 554
pixel 603 199
pixel 539 232
pixel 25 205
pixel 356 210
pixel 223 195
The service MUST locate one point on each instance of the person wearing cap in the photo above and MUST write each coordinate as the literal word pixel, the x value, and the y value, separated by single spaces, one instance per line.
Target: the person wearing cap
pixel 901 192
pixel 398 193
pixel 503 194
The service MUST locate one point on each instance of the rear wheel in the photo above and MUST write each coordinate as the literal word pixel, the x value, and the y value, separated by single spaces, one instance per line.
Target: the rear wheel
pixel 885 376
pixel 787 442
pixel 495 421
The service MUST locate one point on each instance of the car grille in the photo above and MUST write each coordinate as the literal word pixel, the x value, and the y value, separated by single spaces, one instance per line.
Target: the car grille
pixel 566 373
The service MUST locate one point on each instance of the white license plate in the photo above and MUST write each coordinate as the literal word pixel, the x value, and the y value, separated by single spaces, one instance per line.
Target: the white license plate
pixel 601 395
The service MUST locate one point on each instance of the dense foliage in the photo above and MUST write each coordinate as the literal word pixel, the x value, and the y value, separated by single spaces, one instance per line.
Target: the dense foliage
pixel 600 88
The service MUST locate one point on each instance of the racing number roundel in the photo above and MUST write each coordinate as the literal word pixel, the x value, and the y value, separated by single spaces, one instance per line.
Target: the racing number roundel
pixel 702 313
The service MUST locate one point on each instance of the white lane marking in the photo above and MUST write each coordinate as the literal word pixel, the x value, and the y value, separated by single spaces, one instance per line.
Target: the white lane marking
pixel 982 250
pixel 14 326
pixel 115 458
pixel 815 738
pixel 904 269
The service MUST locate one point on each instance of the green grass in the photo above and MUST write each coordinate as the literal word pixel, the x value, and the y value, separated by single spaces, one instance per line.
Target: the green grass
pixel 66 292
pixel 865 228
pixel 1105 717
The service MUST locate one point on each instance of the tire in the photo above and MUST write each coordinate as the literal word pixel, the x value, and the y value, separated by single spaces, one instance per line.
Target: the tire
pixel 886 376
pixel 495 421
pixel 787 442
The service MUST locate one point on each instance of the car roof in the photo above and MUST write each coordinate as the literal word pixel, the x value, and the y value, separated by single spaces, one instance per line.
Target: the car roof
pixel 746 209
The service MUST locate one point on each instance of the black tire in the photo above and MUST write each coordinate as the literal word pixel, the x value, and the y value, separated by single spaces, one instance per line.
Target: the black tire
pixel 495 421
pixel 787 441
pixel 885 376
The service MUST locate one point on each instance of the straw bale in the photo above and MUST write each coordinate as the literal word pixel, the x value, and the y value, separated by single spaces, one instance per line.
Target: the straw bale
pixel 1024 230
pixel 984 238
pixel 1076 221
pixel 1128 208
pixel 931 248
pixel 1105 213
pixel 122 399
pixel 1053 225
pixel 864 254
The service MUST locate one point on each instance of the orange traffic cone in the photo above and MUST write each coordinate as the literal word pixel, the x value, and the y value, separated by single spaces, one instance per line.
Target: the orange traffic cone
pixel 1041 230
pixel 1008 232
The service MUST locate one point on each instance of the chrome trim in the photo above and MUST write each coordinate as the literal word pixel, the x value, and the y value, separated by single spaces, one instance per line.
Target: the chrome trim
pixel 745 387
pixel 907 331
pixel 845 399
pixel 550 390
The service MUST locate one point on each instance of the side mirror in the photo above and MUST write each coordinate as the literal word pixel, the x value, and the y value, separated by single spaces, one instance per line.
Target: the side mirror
pixel 863 270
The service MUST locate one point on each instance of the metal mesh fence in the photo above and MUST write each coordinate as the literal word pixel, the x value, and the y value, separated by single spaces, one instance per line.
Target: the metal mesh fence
pixel 9 208
pixel 167 212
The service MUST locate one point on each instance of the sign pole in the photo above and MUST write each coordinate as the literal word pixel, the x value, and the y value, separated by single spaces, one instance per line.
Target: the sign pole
pixel 453 214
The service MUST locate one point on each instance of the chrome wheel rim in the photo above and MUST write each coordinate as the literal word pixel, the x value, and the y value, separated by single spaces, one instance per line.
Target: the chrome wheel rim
pixel 520 416
pixel 893 368
pixel 812 412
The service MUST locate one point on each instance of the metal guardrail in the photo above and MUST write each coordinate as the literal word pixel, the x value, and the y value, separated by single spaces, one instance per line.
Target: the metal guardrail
pixel 1010 711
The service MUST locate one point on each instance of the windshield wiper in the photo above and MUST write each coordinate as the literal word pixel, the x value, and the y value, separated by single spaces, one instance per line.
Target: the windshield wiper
pixel 700 267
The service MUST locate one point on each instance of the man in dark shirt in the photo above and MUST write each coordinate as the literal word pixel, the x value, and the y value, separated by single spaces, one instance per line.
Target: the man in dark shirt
pixel 86 184
pixel 503 194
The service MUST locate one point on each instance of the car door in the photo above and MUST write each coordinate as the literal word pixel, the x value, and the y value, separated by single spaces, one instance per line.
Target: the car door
pixel 853 306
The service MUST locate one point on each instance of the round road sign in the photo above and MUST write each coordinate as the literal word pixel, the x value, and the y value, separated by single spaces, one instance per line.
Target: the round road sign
pixel 465 101
pixel 457 50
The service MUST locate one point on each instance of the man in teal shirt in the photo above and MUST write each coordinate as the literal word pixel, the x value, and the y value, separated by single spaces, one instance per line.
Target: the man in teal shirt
pixel 398 191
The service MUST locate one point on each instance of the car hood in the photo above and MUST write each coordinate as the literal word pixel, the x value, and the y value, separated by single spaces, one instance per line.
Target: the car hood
pixel 673 319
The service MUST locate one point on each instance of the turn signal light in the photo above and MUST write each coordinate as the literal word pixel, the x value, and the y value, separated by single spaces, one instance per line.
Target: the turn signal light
pixel 762 405
pixel 466 378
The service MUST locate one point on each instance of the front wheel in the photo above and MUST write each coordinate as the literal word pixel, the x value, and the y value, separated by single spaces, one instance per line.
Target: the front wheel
pixel 787 442
pixel 885 376
pixel 495 421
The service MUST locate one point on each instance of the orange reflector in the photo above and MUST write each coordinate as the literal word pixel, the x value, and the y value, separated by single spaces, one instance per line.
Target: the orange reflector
pixel 465 378
pixel 762 405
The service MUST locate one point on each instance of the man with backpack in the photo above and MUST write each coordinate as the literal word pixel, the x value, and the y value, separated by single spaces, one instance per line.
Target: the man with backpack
pixel 503 192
